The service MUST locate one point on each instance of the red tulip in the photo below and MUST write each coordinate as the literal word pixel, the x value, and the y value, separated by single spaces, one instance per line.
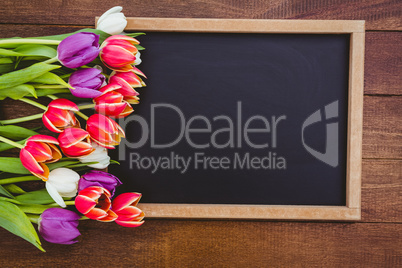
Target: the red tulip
pixel 128 81
pixel 37 152
pixel 60 115
pixel 104 131
pixel 112 103
pixel 75 142
pixel 94 202
pixel 118 52
pixel 125 207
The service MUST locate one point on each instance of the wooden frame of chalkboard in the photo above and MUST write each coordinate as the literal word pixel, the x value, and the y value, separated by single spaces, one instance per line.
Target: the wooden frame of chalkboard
pixel 356 30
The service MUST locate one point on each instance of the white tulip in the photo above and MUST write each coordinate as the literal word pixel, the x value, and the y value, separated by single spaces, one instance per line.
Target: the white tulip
pixel 99 155
pixel 112 21
pixel 62 182
pixel 137 58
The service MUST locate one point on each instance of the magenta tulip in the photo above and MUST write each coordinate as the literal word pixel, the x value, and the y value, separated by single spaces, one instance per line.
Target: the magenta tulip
pixel 86 83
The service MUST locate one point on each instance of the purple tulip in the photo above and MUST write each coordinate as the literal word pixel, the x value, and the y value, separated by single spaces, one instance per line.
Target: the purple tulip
pixel 86 83
pixel 59 226
pixel 78 49
pixel 99 178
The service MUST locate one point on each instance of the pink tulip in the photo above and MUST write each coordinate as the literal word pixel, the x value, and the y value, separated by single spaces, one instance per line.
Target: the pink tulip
pixel 75 142
pixel 112 103
pixel 104 131
pixel 37 152
pixel 60 115
pixel 118 52
pixel 124 206
pixel 94 202
pixel 128 81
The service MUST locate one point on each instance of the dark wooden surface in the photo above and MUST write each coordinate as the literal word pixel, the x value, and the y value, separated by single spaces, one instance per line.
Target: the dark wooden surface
pixel 373 242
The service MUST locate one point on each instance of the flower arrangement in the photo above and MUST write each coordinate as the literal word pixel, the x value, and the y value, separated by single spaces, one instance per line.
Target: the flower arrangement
pixel 98 64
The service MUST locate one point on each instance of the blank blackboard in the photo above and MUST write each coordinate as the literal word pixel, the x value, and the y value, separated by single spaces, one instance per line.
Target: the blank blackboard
pixel 241 120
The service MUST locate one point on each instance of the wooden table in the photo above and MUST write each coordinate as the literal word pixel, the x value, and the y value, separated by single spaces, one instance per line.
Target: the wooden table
pixel 376 241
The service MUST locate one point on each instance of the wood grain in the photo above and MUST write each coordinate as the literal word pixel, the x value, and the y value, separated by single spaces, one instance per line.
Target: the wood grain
pixel 382 191
pixel 382 127
pixel 379 14
pixel 383 63
pixel 163 243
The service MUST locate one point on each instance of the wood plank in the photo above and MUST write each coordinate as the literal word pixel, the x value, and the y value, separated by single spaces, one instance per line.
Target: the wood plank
pixel 382 191
pixel 382 127
pixel 379 14
pixel 218 244
pixel 383 63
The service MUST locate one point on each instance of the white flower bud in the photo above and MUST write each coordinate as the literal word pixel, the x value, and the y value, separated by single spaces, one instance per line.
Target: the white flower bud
pixel 99 155
pixel 112 21
pixel 62 182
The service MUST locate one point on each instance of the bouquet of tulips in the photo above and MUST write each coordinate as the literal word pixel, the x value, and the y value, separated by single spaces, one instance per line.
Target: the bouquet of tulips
pixel 96 64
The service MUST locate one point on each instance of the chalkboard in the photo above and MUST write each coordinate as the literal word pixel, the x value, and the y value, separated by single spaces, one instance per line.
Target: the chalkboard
pixel 237 124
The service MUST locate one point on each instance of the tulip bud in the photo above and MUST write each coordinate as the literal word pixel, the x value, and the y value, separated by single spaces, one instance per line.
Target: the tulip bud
pixel 112 104
pixel 99 155
pixel 99 178
pixel 112 21
pixel 60 115
pixel 62 182
pixel 128 81
pixel 124 206
pixel 86 83
pixel 75 142
pixel 118 52
pixel 37 152
pixel 94 202
pixel 78 49
pixel 59 226
pixel 104 131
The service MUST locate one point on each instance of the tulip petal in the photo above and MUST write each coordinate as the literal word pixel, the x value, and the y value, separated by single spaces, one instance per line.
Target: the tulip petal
pixel 55 195
pixel 49 125
pixel 84 204
pixel 64 104
pixel 43 138
pixel 29 162
pixel 124 200
pixel 129 223
pixel 96 214
pixel 110 216
pixel 129 213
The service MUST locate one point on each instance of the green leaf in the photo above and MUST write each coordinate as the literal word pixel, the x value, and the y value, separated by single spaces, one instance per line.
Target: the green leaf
pixel 5 60
pixel 12 165
pixel 33 209
pixel 40 197
pixel 9 53
pixel 15 221
pixel 36 50
pixel 5 192
pixel 50 79
pixel 102 35
pixel 25 75
pixel 17 92
pixel 14 189
pixel 16 132
pixel 40 92
pixel 6 146
pixel 6 68
pixel 61 164
pixel 139 47
pixel 134 34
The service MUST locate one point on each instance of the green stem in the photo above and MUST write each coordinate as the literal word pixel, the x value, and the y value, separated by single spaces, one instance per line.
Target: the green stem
pixel 83 218
pixel 33 218
pixel 34 103
pixel 50 86
pixel 70 203
pixel 82 115
pixel 87 106
pixel 18 179
pixel 53 97
pixel 10 200
pixel 29 41
pixel 51 60
pixel 13 143
pixel 21 119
